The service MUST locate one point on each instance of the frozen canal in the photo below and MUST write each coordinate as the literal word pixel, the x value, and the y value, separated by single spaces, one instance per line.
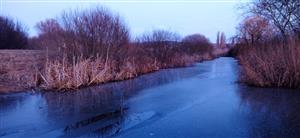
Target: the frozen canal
pixel 199 101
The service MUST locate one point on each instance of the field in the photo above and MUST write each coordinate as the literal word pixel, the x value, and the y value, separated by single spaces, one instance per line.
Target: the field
pixel 18 68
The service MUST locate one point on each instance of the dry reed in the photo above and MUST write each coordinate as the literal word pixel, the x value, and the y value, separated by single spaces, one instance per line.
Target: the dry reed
pixel 272 65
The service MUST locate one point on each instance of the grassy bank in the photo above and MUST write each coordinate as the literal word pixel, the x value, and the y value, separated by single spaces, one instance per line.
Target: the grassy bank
pixel 270 64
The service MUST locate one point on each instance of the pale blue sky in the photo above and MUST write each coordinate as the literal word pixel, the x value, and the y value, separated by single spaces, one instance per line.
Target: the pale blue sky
pixel 184 17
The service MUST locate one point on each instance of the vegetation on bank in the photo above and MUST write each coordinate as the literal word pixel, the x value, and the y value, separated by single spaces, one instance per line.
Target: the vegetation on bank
pixel 62 74
pixel 94 46
pixel 271 64
pixel 267 45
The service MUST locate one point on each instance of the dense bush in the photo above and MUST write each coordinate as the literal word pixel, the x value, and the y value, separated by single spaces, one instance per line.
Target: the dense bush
pixel 12 34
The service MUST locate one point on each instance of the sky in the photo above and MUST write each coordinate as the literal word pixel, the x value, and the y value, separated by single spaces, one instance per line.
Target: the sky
pixel 206 17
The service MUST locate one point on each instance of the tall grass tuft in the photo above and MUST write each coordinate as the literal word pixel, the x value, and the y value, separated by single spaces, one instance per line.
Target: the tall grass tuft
pixel 62 74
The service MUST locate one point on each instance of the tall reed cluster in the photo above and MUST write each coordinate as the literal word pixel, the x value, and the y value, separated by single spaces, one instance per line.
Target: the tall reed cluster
pixel 64 73
pixel 271 64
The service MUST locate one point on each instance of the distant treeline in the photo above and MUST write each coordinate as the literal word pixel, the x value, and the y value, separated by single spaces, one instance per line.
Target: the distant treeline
pixel 12 34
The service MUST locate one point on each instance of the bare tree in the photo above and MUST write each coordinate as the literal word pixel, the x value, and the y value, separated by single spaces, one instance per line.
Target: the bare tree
pixel 12 34
pixel 161 44
pixel 284 14
pixel 218 39
pixel 221 40
pixel 195 38
pixel 254 29
pixel 196 43
pixel 159 38
pixel 97 31
pixel 50 35
pixel 88 33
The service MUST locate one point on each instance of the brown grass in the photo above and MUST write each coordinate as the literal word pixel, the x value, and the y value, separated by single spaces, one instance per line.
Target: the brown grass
pixel 274 64
pixel 19 69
